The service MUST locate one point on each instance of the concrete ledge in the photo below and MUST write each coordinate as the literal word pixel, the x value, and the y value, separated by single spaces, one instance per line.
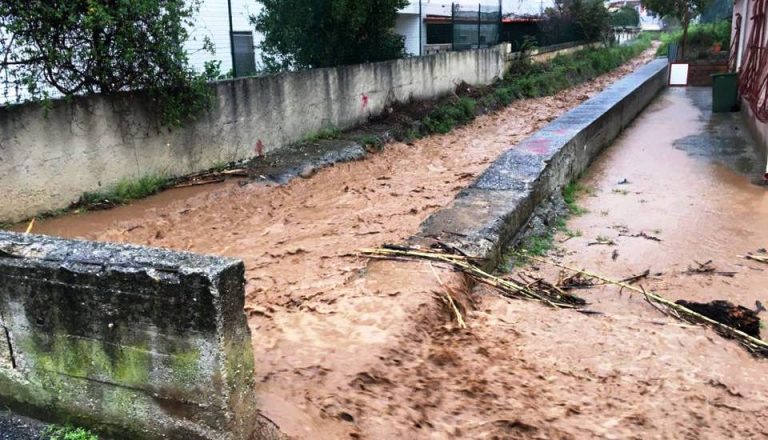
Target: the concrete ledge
pixel 132 341
pixel 486 216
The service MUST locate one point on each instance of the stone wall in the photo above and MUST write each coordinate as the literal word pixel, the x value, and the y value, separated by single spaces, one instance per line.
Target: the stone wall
pixel 50 156
pixel 133 342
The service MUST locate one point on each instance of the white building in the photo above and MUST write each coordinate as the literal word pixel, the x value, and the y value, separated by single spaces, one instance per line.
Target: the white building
pixel 212 22
pixel 412 20
pixel 648 20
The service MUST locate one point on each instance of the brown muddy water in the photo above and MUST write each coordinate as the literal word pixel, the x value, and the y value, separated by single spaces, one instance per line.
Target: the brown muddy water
pixel 350 348
pixel 688 178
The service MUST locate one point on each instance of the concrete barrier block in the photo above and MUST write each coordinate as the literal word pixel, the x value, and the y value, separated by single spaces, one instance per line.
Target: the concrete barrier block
pixel 132 341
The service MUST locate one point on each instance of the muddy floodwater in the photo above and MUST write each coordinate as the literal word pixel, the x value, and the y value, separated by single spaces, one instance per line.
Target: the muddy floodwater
pixel 677 189
pixel 690 179
pixel 351 348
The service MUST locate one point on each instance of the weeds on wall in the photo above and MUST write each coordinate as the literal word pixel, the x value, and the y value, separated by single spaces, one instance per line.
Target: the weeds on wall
pixel 125 191
pixel 538 245
pixel 526 79
pixel 68 432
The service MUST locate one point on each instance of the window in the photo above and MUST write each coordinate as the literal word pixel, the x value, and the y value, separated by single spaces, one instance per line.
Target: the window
pixel 245 57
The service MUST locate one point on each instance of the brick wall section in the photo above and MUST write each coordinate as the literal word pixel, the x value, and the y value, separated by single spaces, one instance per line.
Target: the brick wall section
pixel 131 341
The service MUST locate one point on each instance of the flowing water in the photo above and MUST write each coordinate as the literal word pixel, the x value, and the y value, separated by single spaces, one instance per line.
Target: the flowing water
pixel 347 348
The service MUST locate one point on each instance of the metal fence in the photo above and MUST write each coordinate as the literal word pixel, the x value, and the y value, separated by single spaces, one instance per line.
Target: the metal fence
pixel 475 26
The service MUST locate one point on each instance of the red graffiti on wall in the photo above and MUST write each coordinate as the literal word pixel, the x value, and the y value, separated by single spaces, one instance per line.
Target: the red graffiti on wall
pixel 259 148
pixel 365 100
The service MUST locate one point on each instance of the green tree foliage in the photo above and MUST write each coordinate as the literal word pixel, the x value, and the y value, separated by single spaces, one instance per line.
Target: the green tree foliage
pixel 590 16
pixel 682 10
pixel 80 47
pixel 627 16
pixel 301 34
pixel 717 11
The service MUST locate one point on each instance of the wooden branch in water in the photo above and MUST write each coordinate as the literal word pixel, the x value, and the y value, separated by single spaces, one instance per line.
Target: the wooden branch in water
pixel 507 288
pixel 754 345
pixel 31 225
pixel 758 258
pixel 449 298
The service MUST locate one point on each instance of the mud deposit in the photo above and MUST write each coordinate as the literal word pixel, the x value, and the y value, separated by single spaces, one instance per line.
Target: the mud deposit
pixel 351 348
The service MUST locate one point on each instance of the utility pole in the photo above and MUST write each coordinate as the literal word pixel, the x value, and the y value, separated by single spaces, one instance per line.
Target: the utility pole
pixel 479 19
pixel 232 39
pixel 421 25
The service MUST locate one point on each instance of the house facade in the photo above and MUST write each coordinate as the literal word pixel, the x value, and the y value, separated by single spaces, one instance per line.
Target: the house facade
pixel 213 22
pixel 750 58
pixel 427 24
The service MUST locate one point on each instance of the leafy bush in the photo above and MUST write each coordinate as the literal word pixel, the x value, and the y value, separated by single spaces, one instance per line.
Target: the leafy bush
pixel 627 16
pixel 82 47
pixel 68 432
pixel 457 111
pixel 700 36
pixel 305 34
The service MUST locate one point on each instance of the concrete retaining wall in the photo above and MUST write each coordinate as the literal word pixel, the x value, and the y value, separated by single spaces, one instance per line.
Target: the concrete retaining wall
pixel 486 216
pixel 135 342
pixel 48 158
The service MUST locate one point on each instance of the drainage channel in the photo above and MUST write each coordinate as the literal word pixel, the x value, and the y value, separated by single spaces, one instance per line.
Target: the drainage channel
pixel 336 336
pixel 678 190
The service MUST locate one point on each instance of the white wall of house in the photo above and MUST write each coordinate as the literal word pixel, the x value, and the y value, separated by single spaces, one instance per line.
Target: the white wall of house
pixel 212 21
pixel 408 25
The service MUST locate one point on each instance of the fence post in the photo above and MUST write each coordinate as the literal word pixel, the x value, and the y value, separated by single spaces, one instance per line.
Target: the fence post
pixel 453 27
pixel 479 20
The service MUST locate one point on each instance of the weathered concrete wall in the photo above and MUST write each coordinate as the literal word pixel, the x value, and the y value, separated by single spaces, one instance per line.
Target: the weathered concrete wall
pixel 759 129
pixel 49 158
pixel 486 216
pixel 135 342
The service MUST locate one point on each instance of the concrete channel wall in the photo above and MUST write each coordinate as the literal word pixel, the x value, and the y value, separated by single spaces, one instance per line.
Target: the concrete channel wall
pixel 487 215
pixel 135 342
pixel 50 156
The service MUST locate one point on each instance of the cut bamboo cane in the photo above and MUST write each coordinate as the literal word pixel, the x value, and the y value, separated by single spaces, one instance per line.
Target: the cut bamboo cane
pixel 31 225
pixel 758 258
pixel 506 287
pixel 755 345
pixel 450 300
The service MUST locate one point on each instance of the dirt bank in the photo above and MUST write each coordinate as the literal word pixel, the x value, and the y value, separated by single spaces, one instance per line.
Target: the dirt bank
pixel 345 347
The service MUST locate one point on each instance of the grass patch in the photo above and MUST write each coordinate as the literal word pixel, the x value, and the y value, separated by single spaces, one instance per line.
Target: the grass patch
pixel 68 432
pixel 450 114
pixel 370 140
pixel 571 233
pixel 125 191
pixel 570 195
pixel 536 245
pixel 322 135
